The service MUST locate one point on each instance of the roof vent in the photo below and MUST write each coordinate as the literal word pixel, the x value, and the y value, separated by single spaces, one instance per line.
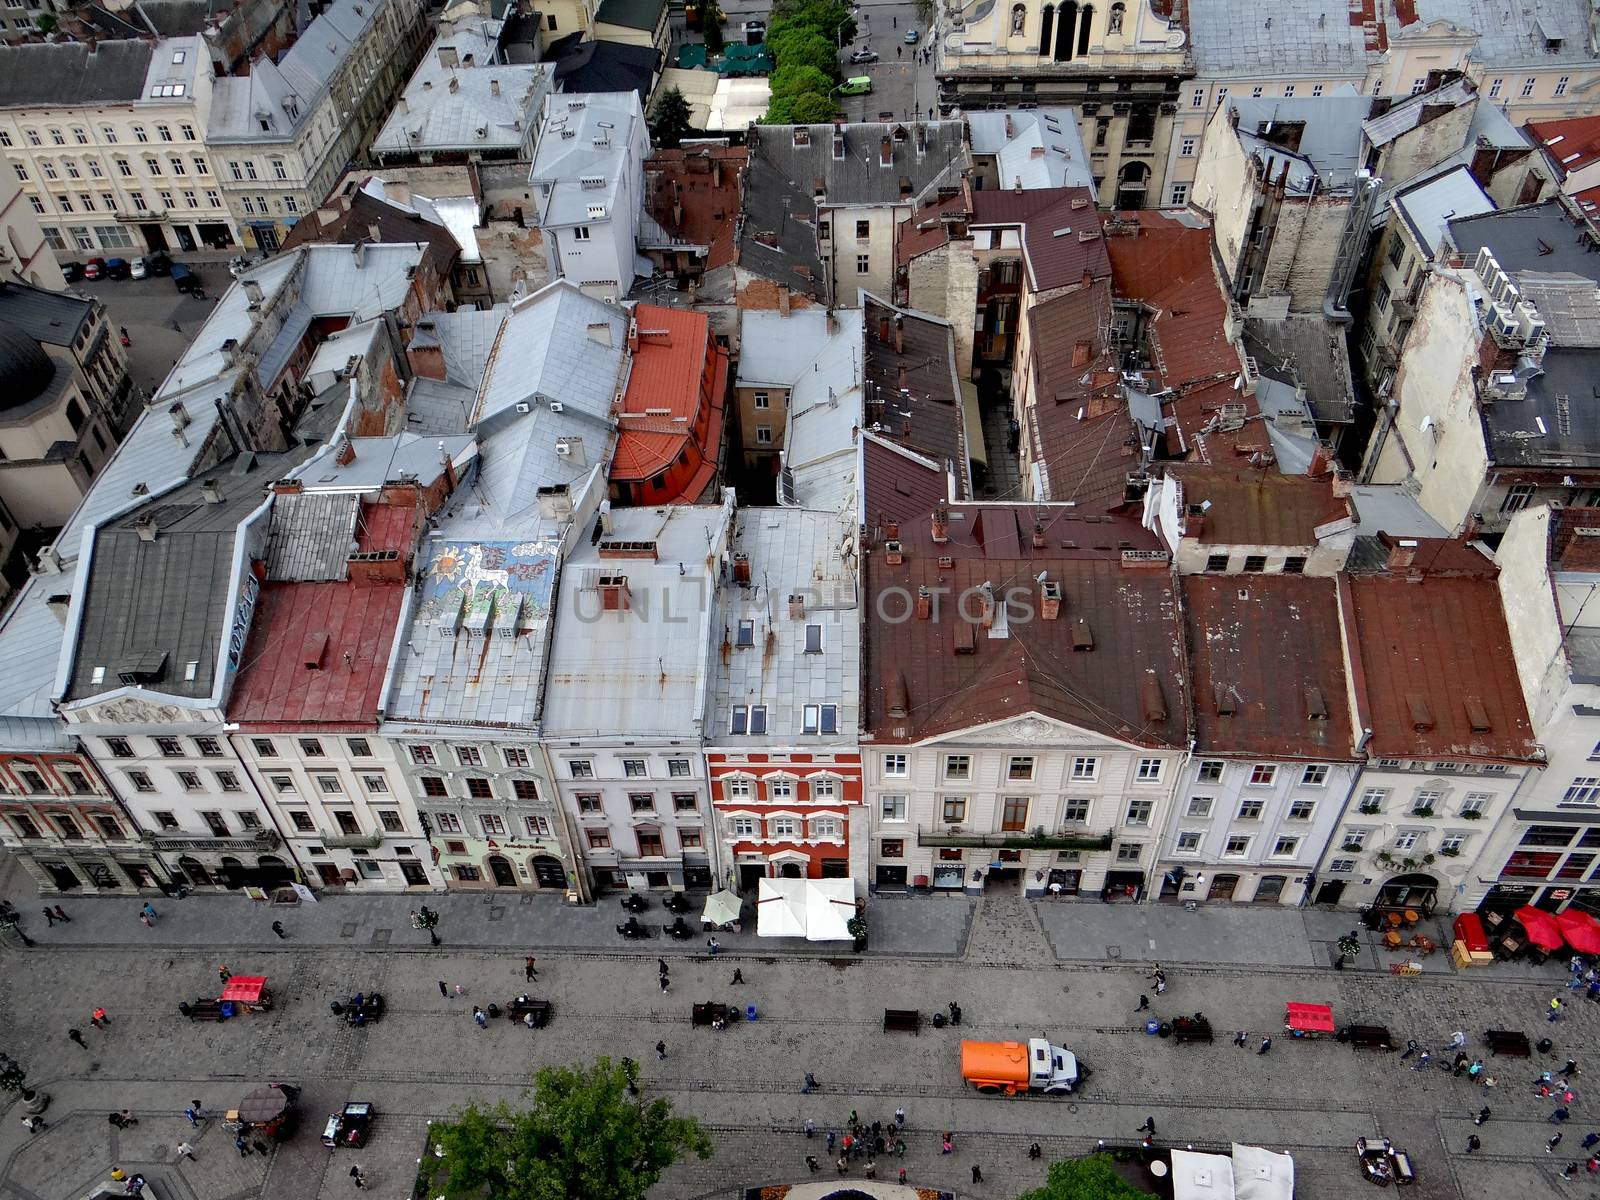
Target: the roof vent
pixel 899 696
pixel 1477 715
pixel 1082 636
pixel 1155 704
pixel 1227 700
pixel 1421 715
pixel 146 528
pixel 1316 705
pixel 313 650
pixel 614 593
pixel 966 638
pixel 147 668
pixel 210 492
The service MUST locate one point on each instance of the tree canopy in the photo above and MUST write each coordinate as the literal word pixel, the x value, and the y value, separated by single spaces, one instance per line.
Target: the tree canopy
pixel 1092 1178
pixel 812 109
pixel 669 119
pixel 830 18
pixel 583 1138
pixel 804 48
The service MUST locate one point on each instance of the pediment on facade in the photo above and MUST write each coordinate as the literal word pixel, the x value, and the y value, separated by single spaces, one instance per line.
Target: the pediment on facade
pixel 1030 730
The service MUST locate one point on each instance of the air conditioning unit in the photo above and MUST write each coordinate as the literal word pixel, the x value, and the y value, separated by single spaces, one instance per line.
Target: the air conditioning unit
pixel 524 407
pixel 564 449
pixel 557 406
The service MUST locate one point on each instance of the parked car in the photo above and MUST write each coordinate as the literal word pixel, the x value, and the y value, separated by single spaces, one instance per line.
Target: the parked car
pixel 856 85
pixel 118 268
pixel 138 268
pixel 72 271
pixel 864 55
pixel 158 263
pixel 186 280
pixel 912 37
pixel 95 268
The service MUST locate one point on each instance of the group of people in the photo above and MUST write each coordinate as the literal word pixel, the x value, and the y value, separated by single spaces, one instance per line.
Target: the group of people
pixel 864 1142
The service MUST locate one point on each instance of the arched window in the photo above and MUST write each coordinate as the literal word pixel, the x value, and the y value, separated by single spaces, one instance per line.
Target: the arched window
pixel 1065 30
pixel 1085 25
pixel 1047 21
pixel 1019 18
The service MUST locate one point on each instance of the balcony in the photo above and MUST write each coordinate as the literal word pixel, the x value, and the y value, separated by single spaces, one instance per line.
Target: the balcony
pixel 955 835
pixel 354 841
pixel 259 842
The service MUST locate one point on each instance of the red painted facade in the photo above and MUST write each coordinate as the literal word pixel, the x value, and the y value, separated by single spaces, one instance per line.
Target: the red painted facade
pixel 800 771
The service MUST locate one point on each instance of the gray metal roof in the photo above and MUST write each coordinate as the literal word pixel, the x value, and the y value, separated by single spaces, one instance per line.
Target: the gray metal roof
pixel 375 461
pixel 1044 148
pixel 585 138
pixel 1510 35
pixel 443 108
pixel 1309 351
pixel 54 318
pixel 72 74
pixel 309 536
pixel 1407 114
pixel 791 552
pixel 1297 37
pixel 1389 508
pixel 826 407
pixel 1428 207
pixel 774 349
pixel 643 671
pixel 631 14
pixel 1330 145
pixel 31 634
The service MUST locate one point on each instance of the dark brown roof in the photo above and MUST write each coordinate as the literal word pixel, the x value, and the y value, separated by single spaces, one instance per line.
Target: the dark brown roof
pixel 899 485
pixel 1061 232
pixel 1166 264
pixel 1268 666
pixel 929 226
pixel 1437 676
pixel 1249 507
pixel 1111 662
pixel 707 198
pixel 336 224
pixel 913 398
pixel 1571 550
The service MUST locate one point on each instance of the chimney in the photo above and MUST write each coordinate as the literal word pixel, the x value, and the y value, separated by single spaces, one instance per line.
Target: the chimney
pixel 374 234
pixel 891 529
pixel 988 606
pixel 905 422
pixel 883 328
pixel 902 377
pixel 941 523
pixel 899 334
pixel 614 593
pixel 455 85
pixel 783 299
pixel 426 361
pixel 1038 536
pixel 252 291
pixel 797 607
pixel 146 529
pixel 633 337
pixel 1321 460
pixel 886 153
pixel 1010 130
pixel 448 58
pixel 1402 553
pixel 1050 600
pixel 1036 152
pixel 924 603
pixel 892 553
pixel 346 454
pixel 677 213
pixel 359 253
pixel 230 356
pixel 741 569
pixel 494 87
pixel 180 414
pixel 402 105
pixel 210 493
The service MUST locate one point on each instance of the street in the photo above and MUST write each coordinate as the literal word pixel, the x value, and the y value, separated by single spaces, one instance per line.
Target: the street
pixel 148 310
pixel 1072 972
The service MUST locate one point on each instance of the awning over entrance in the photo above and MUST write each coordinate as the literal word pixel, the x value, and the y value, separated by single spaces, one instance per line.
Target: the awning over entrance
pixel 818 910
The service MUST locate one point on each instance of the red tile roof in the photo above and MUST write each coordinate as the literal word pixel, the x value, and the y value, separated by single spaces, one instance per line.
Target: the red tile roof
pixel 1111 662
pixel 927 229
pixel 676 392
pixel 349 628
pixel 1166 265
pixel 1573 143
pixel 1571 550
pixel 899 485
pixel 1061 235
pixel 1249 507
pixel 704 182
pixel 1437 678
pixel 1268 666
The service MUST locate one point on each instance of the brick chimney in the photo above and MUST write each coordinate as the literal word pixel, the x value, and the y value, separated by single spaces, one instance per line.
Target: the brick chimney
pixel 924 604
pixel 797 607
pixel 886 153
pixel 783 299
pixel 1050 600
pixel 941 524
pixel 346 454
pixel 892 529
pixel 899 334
pixel 426 361
pixel 1038 536
pixel 1402 553
pixel 892 553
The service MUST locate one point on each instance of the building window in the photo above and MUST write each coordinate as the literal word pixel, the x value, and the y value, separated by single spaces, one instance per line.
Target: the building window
pixel 447 822
pixel 678 768
pixel 633 768
pixel 302 822
pixel 1198 99
pixel 390 820
pixel 1288 91
pixel 188 780
pixel 758 718
pixel 1255 563
pixel 493 825
pixel 1316 89
pixel 1250 810
pixel 479 788
pixel 514 758
pixel 954 809
pixel 739 721
pixel 581 768
pixel 1406 840
pixel 1014 814
pixel 744 827
pixel 536 826
pixel 469 756
pixel 1200 807
pixel 780 789
pixel 1354 839
pixel 376 785
pixel 737 789
pixel 422 756
pixel 589 804
pixel 598 839
pixel 1186 146
pixel 642 802
pixel 77 782
pixel 782 827
pixel 685 802
pixel 958 766
pixel 1216 563
pixel 1019 768
pixel 1517 497
pixel 1584 789
pixel 1074 810
pixel 1188 842
pixel 824 789
pixel 208 747
pixel 1528 85
pixel 1085 770
pixel 330 785
pixel 358 747
pixel 1286 847
pixel 170 747
pixel 1451 843
pixel 891 808
pixel 432 785
pixel 1475 802
pixel 1210 770
pixel 650 843
pixel 524 789
pixel 580 233
pixel 1263 774
pixel 1294 564
pixel 1237 845
pixel 1139 812
pixel 1129 852
pixel 894 765
pixel 1149 770
pixel 1561 85
pixel 1179 195
pixel 863 264
pixel 813 639
pixel 891 848
pixel 1301 810
pixel 1315 775
pixel 1372 799
pixel 119 747
pixel 1426 800
pixel 759 399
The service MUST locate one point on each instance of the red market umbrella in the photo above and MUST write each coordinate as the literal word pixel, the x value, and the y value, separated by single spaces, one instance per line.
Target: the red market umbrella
pixel 1581 931
pixel 1541 927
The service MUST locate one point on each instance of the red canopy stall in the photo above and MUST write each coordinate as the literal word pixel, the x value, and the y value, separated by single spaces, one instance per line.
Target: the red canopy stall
pixel 1308 1020
pixel 247 991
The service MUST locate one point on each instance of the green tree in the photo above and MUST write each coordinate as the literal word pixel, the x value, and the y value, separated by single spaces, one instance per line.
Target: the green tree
pixel 47 22
pixel 780 111
pixel 797 81
pixel 711 26
pixel 669 121
pixel 831 18
pixel 1092 1178
pixel 805 48
pixel 584 1138
pixel 812 109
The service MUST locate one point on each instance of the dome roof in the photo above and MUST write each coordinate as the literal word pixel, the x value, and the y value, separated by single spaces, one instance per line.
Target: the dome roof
pixel 25 369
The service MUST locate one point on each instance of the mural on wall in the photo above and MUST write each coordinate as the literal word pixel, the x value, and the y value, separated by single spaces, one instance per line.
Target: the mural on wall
pixel 500 587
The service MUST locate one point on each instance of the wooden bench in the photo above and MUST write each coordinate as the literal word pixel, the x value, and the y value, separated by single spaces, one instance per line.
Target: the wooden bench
pixel 1510 1043
pixel 1188 1029
pixel 541 1010
pixel 709 1013
pixel 902 1020
pixel 202 1010
pixel 1369 1037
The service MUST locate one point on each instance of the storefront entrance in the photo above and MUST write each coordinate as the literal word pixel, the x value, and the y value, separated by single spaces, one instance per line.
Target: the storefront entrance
pixel 548 872
pixel 1222 887
pixel 414 874
pixel 893 878
pixel 505 875
pixel 62 876
pixel 1270 889
pixel 1331 892
pixel 1123 885
pixel 155 236
pixel 1420 892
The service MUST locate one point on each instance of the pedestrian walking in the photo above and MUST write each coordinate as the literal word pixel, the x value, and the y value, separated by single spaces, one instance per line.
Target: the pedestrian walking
pixel 1149 1126
pixel 1473 1142
pixel 902 1177
pixel 479 1016
pixel 98 1018
pixel 1144 1003
pixel 1034 1151
pixel 1411 1048
pixel 277 928
pixel 149 911
pixel 527 1019
pixel 809 1086
pixel 1571 1069
pixel 738 977
pixel 61 913
pixel 843 1164
pixel 900 1116
pixel 1475 1070
pixel 1555 1140
pixel 947 1144
pixel 193 1113
pixel 1483 1115
pixel 186 1151
pixel 1161 985
pixel 811 1164
pixel 49 917
pixel 242 1146
pixel 810 1128
pixel 1593 1164
pixel 146 920
pixel 359 1178
pixel 1266 1044
pixel 127 1117
pixel 1457 1040
pixel 1239 1038
pixel 872 1168
pixel 897 51
pixel 977 1173
pixel 832 1137
pixel 666 985
pixel 34 1124
pixel 711 945
pixel 1559 1116
pixel 1555 1008
pixel 1568 1171
pixel 661 1052
pixel 459 991
pixel 1422 1061
pixel 955 1013
pixel 529 971
pixel 443 990
pixel 223 974
pixel 77 1036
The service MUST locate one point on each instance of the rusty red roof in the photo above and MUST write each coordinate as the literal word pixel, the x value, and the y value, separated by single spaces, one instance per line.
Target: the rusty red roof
pixel 928 227
pixel 899 485
pixel 1061 236
pixel 1250 507
pixel 1573 143
pixel 1437 676
pixel 1268 665
pixel 675 395
pixel 694 194
pixel 1109 661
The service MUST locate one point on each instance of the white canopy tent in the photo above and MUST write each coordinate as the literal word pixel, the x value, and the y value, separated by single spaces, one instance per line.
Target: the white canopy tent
pixel 1201 1176
pixel 723 908
pixel 818 910
pixel 1260 1174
